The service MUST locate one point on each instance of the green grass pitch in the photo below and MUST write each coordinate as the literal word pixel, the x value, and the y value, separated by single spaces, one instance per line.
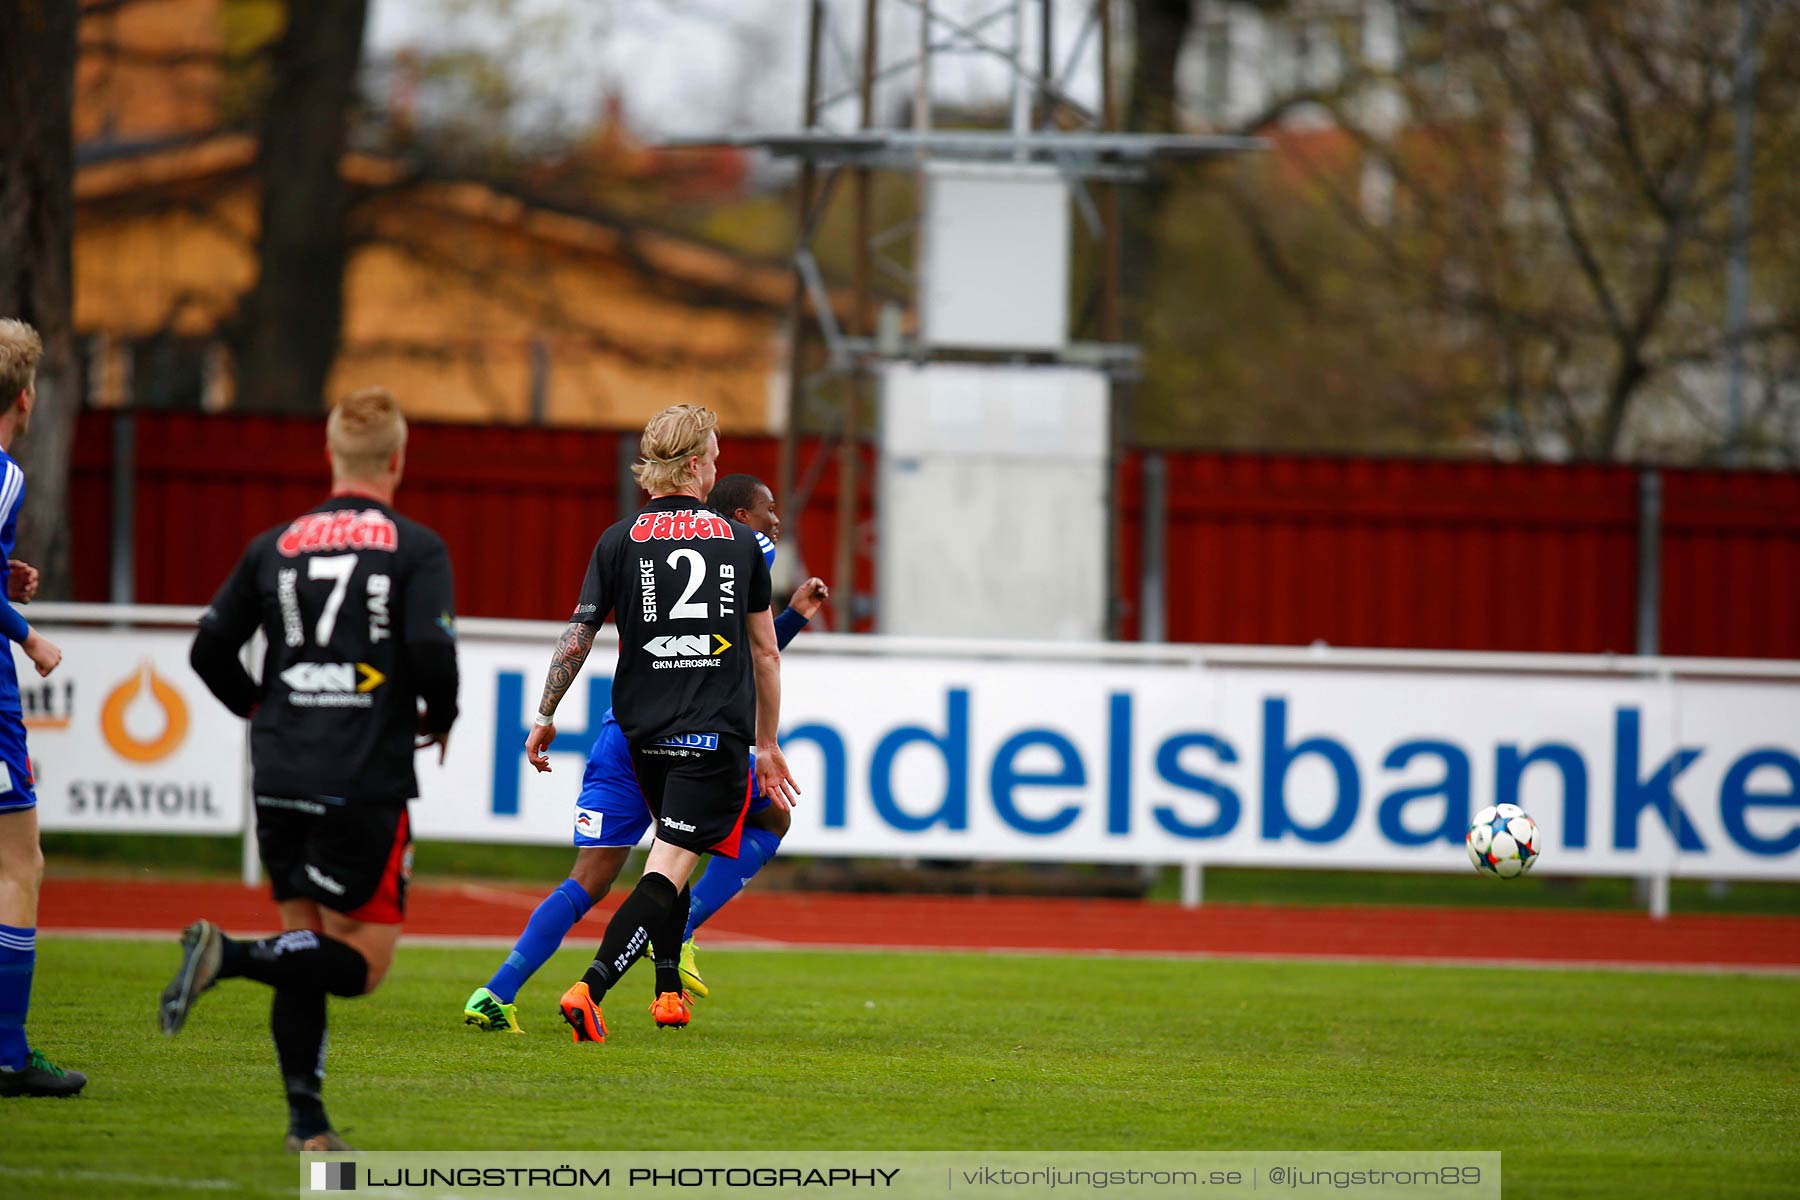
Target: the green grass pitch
pixel 1591 1083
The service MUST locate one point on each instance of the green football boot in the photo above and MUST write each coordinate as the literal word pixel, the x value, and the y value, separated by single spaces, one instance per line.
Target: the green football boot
pixel 690 973
pixel 485 1012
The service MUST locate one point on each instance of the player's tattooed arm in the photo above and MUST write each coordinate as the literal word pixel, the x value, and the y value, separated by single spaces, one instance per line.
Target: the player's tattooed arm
pixel 571 651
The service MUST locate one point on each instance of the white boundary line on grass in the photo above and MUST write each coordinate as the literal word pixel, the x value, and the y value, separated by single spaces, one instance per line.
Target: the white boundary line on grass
pixel 734 943
pixel 124 1178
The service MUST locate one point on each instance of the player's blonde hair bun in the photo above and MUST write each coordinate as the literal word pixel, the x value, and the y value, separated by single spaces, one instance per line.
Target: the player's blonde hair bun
pixel 671 437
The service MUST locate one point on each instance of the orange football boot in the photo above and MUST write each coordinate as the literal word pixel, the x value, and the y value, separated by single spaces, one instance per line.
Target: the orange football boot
pixel 582 1014
pixel 672 1010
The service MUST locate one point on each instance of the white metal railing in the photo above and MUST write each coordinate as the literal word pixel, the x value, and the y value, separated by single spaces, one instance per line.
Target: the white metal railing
pixel 1174 654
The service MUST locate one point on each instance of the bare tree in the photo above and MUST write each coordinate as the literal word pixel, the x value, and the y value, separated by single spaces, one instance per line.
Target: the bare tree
pixel 1159 31
pixel 288 333
pixel 1556 214
pixel 37 95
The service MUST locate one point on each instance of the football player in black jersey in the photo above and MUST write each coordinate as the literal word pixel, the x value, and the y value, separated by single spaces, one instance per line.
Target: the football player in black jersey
pixel 698 679
pixel 355 603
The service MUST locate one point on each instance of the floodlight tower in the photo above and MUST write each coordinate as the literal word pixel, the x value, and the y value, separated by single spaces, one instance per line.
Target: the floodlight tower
pixel 999 428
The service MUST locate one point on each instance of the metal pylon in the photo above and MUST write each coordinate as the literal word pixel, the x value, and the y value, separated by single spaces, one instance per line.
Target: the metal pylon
pixel 843 133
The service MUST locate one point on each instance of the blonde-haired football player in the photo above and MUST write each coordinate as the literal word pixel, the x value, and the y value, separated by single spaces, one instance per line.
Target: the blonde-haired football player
pixel 23 1071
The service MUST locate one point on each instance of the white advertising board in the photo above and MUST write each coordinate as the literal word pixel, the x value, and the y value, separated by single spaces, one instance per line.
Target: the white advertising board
pixel 124 738
pixel 1362 769
pixel 1008 756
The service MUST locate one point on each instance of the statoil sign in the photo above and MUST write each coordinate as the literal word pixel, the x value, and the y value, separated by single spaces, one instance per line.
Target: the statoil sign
pixel 124 738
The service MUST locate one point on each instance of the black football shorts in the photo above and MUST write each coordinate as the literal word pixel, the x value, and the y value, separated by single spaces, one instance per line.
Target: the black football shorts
pixel 698 788
pixel 352 858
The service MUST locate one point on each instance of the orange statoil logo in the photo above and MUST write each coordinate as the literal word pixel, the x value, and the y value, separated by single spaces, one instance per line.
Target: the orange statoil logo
pixel 144 689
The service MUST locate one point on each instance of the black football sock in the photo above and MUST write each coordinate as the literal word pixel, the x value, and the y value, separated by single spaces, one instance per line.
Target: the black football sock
pixel 665 944
pixel 299 958
pixel 628 932
pixel 297 1021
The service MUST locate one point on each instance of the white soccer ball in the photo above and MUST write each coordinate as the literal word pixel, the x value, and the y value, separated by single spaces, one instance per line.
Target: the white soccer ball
pixel 1503 840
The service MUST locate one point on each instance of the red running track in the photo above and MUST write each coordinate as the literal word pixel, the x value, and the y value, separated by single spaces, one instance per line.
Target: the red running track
pixel 771 919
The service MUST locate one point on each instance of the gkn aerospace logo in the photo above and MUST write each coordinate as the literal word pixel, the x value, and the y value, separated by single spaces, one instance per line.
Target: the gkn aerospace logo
pixel 686 650
pixel 332 685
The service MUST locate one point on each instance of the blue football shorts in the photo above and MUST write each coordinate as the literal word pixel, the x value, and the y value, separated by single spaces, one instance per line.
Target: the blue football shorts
pixel 610 810
pixel 16 792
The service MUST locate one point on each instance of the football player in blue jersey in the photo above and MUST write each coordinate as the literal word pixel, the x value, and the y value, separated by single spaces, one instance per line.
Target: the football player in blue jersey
pixel 611 815
pixel 23 1071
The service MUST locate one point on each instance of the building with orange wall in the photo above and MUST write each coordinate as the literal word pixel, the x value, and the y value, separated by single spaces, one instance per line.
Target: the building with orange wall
pixel 471 303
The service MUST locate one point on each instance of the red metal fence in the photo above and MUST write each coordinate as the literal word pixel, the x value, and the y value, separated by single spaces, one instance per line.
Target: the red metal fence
pixel 519 507
pixel 1361 552
pixel 1258 548
pixel 1731 564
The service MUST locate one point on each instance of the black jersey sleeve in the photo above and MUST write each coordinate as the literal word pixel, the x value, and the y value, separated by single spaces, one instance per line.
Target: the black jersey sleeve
pixel 595 603
pixel 759 583
pixel 224 628
pixel 429 627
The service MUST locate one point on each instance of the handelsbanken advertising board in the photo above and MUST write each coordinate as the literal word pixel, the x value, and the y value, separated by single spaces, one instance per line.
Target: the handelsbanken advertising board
pixel 986 759
pixel 124 738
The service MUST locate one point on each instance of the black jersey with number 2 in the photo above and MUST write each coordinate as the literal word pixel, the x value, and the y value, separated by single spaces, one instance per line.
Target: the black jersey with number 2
pixel 680 581
pixel 356 603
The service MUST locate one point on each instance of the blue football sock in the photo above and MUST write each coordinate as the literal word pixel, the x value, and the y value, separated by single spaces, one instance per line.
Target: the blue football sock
pixel 548 926
pixel 726 877
pixel 18 955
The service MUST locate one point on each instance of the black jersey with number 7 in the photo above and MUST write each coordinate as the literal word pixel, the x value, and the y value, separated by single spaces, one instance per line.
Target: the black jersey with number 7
pixel 680 581
pixel 356 603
